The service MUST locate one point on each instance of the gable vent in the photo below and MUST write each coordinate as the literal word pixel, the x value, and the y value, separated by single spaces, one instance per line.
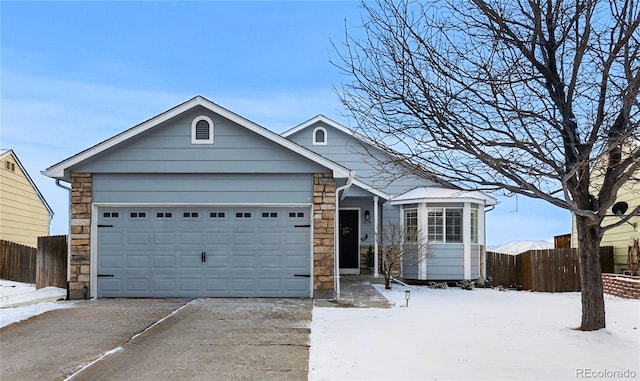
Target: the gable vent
pixel 202 130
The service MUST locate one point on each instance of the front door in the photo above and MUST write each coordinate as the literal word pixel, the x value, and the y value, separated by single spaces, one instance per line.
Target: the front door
pixel 349 237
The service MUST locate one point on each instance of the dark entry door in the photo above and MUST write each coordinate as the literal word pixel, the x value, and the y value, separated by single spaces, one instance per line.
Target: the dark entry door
pixel 349 237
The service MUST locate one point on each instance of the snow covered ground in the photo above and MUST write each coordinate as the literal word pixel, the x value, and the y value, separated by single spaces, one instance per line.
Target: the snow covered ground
pixel 447 334
pixel 484 334
pixel 20 301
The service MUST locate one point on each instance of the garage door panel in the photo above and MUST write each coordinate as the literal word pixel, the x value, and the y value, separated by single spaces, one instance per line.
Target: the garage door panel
pixel 137 261
pixel 296 262
pixel 244 238
pixel 241 285
pixel 217 238
pixel 138 238
pixel 297 238
pixel 271 238
pixel 270 285
pixel 270 262
pixel 110 238
pixel 110 261
pixel 190 284
pixel 137 284
pixel 164 285
pixel 164 261
pixel 217 262
pixel 296 285
pixel 163 238
pixel 250 251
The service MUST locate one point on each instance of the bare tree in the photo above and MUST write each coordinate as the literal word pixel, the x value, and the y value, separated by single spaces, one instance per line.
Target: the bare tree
pixel 523 96
pixel 402 246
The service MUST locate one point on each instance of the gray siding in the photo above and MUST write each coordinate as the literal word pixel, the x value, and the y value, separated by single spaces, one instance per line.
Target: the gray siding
pixel 349 152
pixel 167 148
pixel 202 188
pixel 447 263
pixel 475 261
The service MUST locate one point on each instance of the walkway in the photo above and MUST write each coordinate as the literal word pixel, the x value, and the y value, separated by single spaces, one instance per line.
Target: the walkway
pixel 357 291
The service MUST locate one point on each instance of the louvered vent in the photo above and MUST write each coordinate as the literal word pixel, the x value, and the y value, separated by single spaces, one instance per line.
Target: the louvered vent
pixel 202 130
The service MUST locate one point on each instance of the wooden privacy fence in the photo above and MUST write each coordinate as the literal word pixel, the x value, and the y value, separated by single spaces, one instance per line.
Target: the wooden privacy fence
pixel 44 266
pixel 51 264
pixel 17 262
pixel 553 270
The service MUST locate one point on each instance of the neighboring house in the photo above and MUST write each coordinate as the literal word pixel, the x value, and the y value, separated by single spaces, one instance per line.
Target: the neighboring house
pixel 199 201
pixel 623 236
pixel 24 213
pixel 519 247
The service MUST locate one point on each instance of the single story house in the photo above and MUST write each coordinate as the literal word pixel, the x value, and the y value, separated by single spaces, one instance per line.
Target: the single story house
pixel 201 202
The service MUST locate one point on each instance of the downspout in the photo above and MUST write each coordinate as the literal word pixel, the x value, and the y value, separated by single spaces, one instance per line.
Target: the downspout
pixel 484 228
pixel 336 229
pixel 68 234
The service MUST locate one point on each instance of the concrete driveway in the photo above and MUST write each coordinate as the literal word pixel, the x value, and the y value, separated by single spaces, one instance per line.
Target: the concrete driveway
pixel 162 339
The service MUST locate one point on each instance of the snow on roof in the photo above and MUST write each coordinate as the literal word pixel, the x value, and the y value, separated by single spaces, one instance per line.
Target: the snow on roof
pixel 519 247
pixel 440 194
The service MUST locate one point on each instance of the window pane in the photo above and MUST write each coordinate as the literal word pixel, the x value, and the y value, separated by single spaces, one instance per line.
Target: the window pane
pixel 435 225
pixel 474 225
pixel 411 225
pixel 454 225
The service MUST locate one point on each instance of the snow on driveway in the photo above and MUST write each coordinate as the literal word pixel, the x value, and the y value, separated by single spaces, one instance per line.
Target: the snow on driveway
pixel 20 301
pixel 452 334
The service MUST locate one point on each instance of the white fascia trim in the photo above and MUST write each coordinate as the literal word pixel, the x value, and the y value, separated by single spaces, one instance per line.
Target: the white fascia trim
pixel 328 121
pixel 58 170
pixel 440 200
pixel 185 204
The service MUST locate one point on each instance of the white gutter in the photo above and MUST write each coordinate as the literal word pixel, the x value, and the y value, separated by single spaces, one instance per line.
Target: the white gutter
pixel 336 229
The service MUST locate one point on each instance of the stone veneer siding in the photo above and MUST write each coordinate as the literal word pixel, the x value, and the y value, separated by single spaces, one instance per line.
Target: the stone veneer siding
pixel 79 273
pixel 324 205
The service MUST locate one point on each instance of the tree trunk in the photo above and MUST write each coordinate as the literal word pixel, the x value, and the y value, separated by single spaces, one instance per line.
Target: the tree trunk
pixel 589 237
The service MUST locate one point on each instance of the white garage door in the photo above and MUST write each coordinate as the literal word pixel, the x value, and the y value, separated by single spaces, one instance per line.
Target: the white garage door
pixel 204 252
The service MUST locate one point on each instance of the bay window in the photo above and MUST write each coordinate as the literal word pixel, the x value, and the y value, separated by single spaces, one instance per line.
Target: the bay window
pixel 444 225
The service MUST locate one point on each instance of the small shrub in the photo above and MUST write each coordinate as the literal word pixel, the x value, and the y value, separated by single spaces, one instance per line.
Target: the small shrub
pixel 438 285
pixel 515 286
pixel 466 284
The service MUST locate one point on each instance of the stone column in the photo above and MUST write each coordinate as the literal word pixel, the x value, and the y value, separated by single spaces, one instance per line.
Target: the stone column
pixel 324 204
pixel 80 240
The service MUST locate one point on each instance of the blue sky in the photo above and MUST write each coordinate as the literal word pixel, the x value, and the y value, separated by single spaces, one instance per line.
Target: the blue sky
pixel 75 73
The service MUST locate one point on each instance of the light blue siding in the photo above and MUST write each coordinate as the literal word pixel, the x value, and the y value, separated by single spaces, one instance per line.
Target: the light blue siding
pixel 202 188
pixel 366 162
pixel 475 261
pixel 447 262
pixel 167 149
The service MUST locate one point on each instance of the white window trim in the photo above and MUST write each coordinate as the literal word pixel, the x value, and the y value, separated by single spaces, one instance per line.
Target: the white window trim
pixel 193 130
pixel 316 143
pixel 444 224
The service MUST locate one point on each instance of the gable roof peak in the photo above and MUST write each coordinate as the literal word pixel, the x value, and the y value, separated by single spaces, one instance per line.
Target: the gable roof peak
pixel 10 152
pixel 61 169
